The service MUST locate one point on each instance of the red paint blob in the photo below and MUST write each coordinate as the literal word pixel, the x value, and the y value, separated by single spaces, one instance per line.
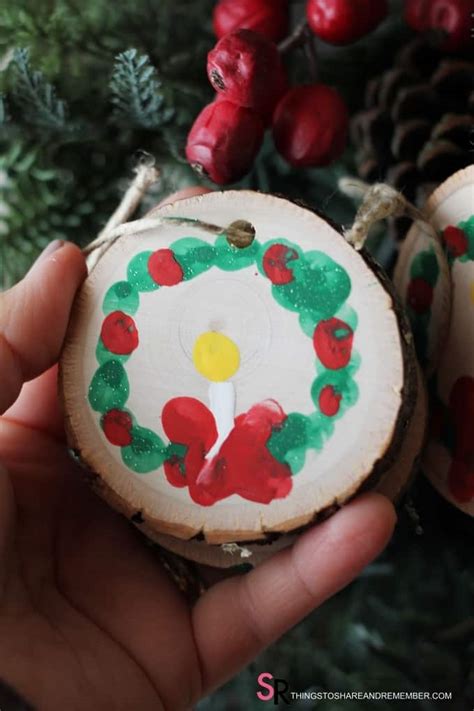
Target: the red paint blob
pixel 275 262
pixel 186 420
pixel 461 402
pixel 116 425
pixel 456 241
pixel 419 295
pixel 329 401
pixel 189 422
pixel 244 465
pixel 332 342
pixel 461 472
pixel 164 269
pixel 461 480
pixel 119 333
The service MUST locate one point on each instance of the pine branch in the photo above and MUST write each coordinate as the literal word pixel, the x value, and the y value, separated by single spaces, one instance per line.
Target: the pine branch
pixel 34 96
pixel 137 92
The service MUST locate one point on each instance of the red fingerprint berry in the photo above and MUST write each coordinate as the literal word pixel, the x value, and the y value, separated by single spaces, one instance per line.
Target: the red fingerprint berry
pixel 344 21
pixel 116 425
pixel 224 141
pixel 329 401
pixel 164 269
pixel 310 125
pixel 245 68
pixel 453 17
pixel 268 17
pixel 332 342
pixel 456 241
pixel 277 263
pixel 461 480
pixel 119 333
pixel 419 295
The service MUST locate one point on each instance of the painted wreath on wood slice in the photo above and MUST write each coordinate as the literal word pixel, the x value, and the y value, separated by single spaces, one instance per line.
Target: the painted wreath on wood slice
pixel 449 458
pixel 237 389
pixel 212 452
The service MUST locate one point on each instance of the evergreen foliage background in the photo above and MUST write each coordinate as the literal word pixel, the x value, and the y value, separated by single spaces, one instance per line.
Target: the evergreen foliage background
pixel 84 87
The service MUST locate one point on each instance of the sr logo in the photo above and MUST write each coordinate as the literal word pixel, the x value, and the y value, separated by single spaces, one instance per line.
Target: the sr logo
pixel 275 689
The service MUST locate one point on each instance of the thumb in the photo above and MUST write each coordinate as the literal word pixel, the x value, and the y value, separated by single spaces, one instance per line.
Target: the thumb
pixel 34 315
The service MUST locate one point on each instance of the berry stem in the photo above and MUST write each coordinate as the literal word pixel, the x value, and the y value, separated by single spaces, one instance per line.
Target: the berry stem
pixel 311 54
pixel 296 39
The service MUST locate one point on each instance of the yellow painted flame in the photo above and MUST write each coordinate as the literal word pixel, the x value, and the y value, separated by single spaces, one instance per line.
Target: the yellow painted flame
pixel 216 356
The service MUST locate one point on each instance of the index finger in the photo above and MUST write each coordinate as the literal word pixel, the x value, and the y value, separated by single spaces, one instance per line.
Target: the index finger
pixel 34 315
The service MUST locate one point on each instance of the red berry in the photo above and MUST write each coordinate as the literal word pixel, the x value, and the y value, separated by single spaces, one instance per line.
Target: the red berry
pixel 310 125
pixel 456 241
pixel 416 14
pixel 268 17
pixel 224 141
pixel 245 68
pixel 119 333
pixel 275 263
pixel 329 401
pixel 164 269
pixel 344 21
pixel 117 425
pixel 454 17
pixel 419 295
pixel 332 342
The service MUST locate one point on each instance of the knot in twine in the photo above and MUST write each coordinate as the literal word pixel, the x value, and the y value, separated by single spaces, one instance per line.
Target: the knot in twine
pixel 380 201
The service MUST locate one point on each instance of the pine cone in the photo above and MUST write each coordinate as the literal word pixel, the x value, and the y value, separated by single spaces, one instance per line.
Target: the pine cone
pixel 416 129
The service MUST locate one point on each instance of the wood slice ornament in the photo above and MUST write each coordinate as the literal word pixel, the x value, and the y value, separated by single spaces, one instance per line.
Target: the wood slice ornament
pixel 445 337
pixel 230 386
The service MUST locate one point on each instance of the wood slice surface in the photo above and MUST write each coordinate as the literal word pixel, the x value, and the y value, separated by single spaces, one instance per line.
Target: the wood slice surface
pixel 393 485
pixel 234 393
pixel 449 457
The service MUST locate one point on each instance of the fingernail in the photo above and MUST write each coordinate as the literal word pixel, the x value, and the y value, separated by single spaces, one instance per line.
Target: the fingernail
pixel 50 248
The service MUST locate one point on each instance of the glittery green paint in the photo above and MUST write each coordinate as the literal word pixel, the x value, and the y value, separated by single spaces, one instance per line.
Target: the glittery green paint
pixel 425 266
pixel 122 296
pixel 103 355
pixel 300 432
pixel 109 388
pixel 317 290
pixel 138 274
pixel 468 228
pixel 194 256
pixel 146 453
pixel 230 258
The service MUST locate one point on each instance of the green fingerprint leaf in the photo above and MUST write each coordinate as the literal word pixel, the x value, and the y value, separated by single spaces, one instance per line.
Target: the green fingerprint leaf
pixel 109 388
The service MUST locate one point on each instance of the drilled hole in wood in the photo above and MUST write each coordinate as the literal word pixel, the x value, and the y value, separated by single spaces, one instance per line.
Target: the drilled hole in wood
pixel 240 234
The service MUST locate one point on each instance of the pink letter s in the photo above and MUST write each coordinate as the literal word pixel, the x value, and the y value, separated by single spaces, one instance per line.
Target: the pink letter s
pixel 268 696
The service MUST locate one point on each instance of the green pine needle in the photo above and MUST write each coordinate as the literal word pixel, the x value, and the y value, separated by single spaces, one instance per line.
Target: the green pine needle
pixel 34 96
pixel 137 92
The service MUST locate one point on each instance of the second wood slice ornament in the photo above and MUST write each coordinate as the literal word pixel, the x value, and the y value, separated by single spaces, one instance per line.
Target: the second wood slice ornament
pixel 229 389
pixel 443 328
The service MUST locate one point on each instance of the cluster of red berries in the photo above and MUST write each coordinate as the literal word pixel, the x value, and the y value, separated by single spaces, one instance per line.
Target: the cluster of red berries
pixel 309 123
